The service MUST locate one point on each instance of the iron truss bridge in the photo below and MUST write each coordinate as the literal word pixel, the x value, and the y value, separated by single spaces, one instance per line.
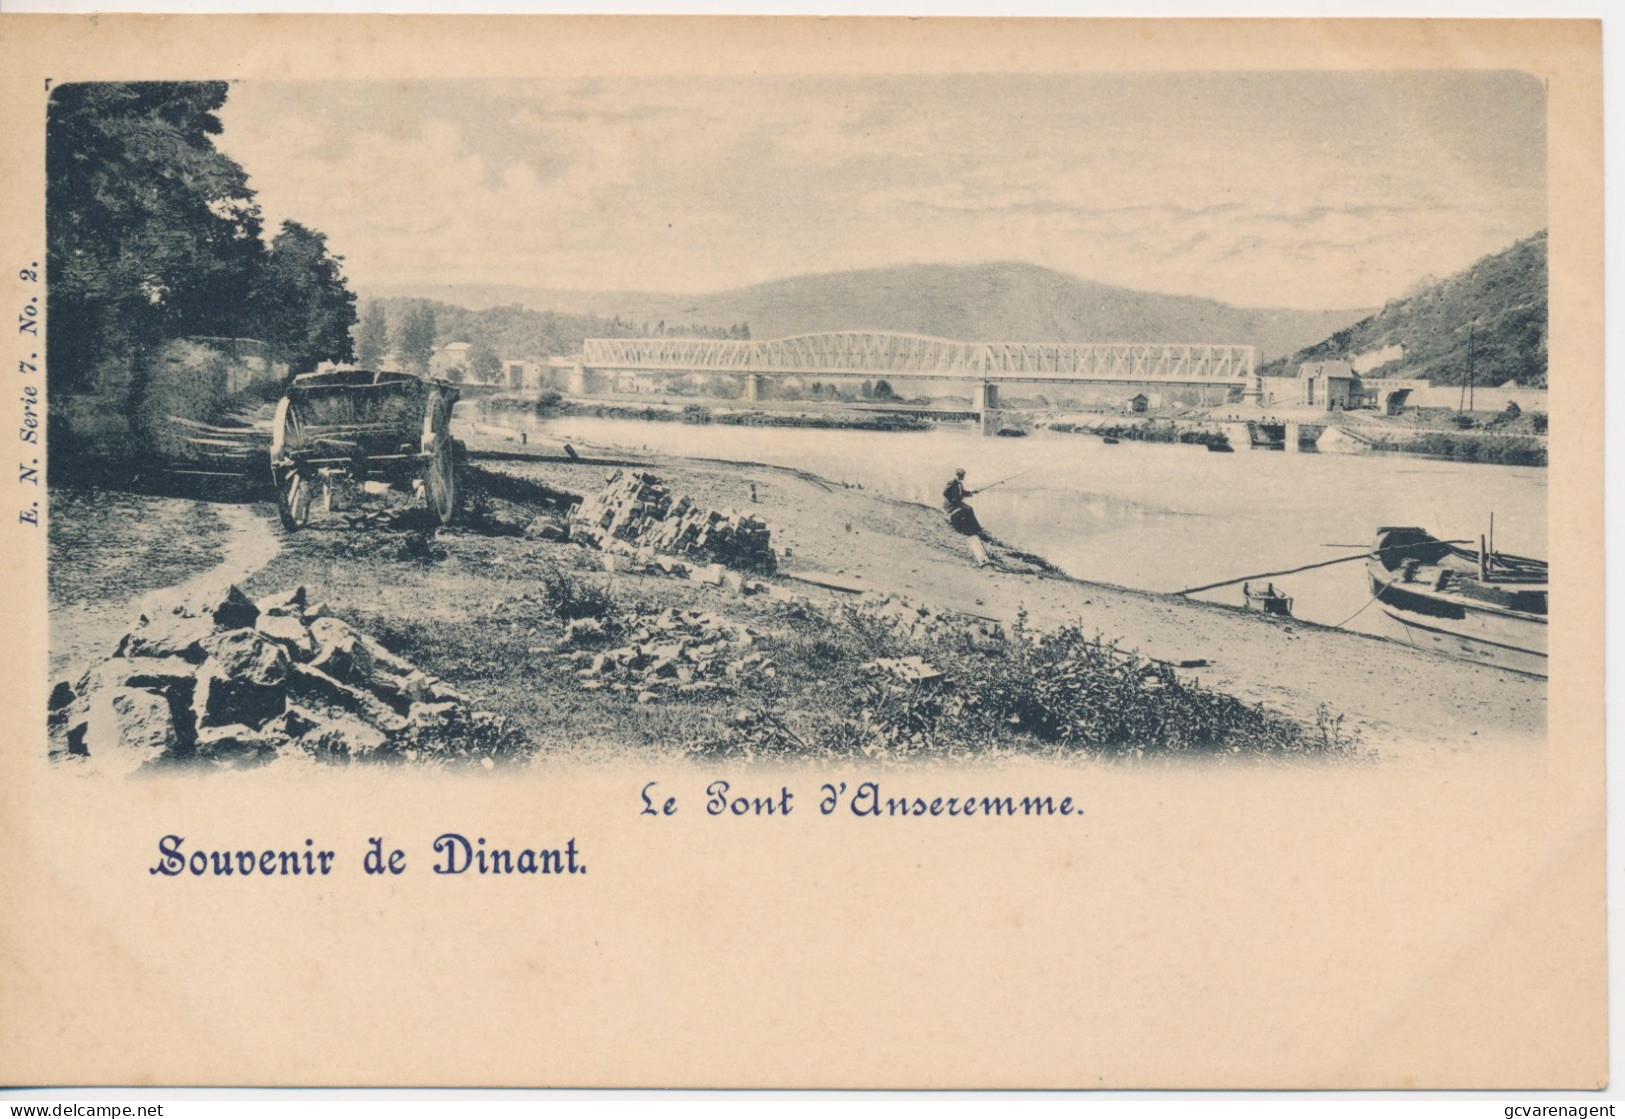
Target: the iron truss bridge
pixel 882 354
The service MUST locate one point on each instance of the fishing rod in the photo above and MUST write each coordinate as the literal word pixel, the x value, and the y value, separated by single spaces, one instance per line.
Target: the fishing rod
pixel 1012 477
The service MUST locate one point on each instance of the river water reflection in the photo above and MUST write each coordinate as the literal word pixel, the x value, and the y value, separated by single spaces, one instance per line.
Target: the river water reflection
pixel 1151 516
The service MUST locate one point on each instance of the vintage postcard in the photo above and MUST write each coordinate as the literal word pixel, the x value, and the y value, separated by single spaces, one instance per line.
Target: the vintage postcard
pixel 847 553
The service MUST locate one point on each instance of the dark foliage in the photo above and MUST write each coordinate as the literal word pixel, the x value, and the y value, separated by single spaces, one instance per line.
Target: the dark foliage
pixel 304 307
pixel 415 336
pixel 372 338
pixel 571 598
pixel 1507 450
pixel 1494 314
pixel 513 333
pixel 151 232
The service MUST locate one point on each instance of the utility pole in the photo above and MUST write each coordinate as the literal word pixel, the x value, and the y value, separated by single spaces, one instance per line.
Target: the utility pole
pixel 1470 328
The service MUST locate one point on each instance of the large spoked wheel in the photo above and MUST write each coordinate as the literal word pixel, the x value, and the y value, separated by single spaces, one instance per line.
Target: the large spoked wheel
pixel 293 493
pixel 440 486
pixel 293 496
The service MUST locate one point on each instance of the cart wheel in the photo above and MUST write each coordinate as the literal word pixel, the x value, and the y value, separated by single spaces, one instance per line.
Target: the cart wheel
pixel 293 501
pixel 440 487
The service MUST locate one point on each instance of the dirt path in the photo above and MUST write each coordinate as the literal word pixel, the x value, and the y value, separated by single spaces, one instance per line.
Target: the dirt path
pixel 90 629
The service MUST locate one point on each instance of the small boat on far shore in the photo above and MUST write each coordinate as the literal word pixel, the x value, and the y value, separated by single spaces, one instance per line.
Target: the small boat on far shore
pixel 1480 605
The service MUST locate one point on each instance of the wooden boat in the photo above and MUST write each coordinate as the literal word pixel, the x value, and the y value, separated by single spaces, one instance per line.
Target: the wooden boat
pixel 1480 605
pixel 1267 601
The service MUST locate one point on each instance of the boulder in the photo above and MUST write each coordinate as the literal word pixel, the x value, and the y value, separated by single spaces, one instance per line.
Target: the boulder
pixel 295 722
pixel 244 680
pixel 343 738
pixel 288 604
pixel 127 728
pixel 237 742
pixel 226 607
pixel 441 692
pixel 62 694
pixel 341 652
pixel 246 655
pixel 311 685
pixel 175 678
pixel 168 635
pixel 289 631
pixel 711 574
pixel 384 659
pixel 431 714
pixel 221 701
pixel 401 692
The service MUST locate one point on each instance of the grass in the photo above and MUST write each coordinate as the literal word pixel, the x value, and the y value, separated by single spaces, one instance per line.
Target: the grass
pixel 490 613
pixel 106 544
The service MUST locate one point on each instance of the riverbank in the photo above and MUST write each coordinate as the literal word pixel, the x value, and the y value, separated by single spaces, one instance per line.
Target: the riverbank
pixel 569 648
pixel 1396 697
pixel 708 412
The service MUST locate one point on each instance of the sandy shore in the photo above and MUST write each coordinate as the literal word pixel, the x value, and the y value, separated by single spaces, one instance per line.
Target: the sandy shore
pixel 1401 700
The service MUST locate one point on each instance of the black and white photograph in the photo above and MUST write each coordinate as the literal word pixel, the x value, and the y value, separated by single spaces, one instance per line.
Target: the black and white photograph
pixel 894 417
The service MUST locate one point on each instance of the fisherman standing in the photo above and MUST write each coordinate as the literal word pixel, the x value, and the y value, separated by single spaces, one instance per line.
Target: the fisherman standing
pixel 962 517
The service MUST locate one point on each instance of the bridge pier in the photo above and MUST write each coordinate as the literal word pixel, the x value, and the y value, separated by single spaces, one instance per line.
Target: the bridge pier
pixel 752 387
pixel 576 381
pixel 985 400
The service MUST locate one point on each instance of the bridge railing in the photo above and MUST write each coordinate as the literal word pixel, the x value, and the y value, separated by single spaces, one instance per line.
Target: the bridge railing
pixel 861 353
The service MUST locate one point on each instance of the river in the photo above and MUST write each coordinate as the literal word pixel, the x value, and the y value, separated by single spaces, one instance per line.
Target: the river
pixel 1153 516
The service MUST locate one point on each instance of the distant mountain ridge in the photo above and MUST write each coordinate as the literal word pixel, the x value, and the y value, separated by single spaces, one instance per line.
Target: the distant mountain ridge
pixel 1006 302
pixel 1501 298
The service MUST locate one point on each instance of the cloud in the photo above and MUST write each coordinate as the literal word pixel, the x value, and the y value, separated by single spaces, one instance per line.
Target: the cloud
pixel 1261 189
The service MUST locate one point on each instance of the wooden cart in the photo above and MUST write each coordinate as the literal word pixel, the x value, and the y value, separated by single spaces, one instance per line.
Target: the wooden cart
pixel 343 429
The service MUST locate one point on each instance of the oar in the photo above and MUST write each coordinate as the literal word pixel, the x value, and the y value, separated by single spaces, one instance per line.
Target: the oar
pixel 1294 570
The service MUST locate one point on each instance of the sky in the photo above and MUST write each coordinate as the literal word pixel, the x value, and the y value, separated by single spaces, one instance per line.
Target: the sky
pixel 1290 190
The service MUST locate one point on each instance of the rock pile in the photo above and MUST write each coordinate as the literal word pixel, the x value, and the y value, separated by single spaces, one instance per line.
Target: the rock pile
pixel 224 679
pixel 918 621
pixel 682 652
pixel 636 510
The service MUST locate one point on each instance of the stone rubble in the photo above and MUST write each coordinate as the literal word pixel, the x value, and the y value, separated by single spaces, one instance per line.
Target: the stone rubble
pixel 673 652
pixel 222 679
pixel 636 511
pixel 918 621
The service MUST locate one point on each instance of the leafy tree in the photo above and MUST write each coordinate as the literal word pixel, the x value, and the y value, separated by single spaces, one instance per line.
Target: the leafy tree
pixel 415 342
pixel 151 232
pixel 373 337
pixel 304 304
pixel 484 364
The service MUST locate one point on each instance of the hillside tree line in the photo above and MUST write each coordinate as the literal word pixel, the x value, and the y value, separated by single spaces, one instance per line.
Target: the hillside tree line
pixel 1491 316
pixel 408 331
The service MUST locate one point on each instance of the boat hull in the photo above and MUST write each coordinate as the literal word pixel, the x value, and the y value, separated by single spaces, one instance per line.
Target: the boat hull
pixel 1518 644
pixel 1439 605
